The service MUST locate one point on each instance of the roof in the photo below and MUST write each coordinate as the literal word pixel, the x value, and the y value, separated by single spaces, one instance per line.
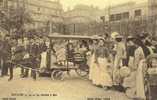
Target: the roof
pixel 75 37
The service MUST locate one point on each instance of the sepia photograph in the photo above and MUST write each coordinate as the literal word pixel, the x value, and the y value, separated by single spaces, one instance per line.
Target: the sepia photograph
pixel 78 49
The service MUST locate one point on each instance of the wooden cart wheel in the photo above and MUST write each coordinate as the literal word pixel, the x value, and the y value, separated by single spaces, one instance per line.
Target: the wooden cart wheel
pixel 83 72
pixel 57 75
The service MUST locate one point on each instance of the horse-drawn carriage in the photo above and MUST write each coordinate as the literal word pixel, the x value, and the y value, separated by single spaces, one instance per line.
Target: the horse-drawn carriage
pixel 73 60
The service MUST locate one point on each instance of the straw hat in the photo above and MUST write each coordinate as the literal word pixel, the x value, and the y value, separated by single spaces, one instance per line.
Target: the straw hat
pixel 119 37
pixel 114 34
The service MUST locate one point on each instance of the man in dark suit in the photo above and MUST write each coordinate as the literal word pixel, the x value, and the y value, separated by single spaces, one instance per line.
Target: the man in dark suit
pixel 34 56
pixel 13 47
pixel 19 54
pixel 1 49
pixel 6 55
pixel 26 59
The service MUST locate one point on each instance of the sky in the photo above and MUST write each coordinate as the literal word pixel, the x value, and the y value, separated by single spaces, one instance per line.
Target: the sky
pixel 100 3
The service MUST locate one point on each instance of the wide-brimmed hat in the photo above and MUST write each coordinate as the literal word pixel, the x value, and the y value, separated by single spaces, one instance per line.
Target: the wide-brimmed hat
pixel 114 34
pixel 129 38
pixel 119 37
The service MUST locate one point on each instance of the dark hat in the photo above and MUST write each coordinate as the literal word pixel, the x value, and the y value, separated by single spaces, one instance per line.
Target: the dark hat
pixel 130 38
pixel 142 35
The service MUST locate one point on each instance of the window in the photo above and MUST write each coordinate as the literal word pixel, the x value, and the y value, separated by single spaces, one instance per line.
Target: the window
pixel 138 13
pixel 118 16
pixel 115 17
pixel 112 18
pixel 126 15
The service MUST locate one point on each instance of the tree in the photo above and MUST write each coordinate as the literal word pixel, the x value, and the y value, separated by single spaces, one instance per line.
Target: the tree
pixel 14 20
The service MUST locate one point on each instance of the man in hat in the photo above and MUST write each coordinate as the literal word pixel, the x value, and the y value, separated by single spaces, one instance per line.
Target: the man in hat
pixel 143 37
pixel 154 43
pixel 120 50
pixel 6 55
pixel 19 53
pixel 34 56
pixel 142 40
pixel 13 47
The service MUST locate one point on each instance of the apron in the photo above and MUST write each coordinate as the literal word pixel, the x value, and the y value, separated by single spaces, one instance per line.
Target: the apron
pixel 43 63
pixel 140 91
pixel 100 73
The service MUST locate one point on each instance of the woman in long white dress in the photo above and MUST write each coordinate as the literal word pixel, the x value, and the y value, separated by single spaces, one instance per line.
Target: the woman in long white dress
pixel 91 56
pixel 137 89
pixel 100 66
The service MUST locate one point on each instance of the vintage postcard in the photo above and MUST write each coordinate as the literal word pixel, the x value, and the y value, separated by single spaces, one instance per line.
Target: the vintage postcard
pixel 78 49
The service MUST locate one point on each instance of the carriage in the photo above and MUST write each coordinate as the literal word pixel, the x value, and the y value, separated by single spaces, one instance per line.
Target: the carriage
pixel 73 61
pixel 151 77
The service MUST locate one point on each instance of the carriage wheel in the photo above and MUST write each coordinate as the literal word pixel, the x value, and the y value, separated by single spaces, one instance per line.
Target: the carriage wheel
pixel 82 70
pixel 57 75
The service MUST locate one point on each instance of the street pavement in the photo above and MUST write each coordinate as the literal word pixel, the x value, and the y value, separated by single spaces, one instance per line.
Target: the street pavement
pixel 44 88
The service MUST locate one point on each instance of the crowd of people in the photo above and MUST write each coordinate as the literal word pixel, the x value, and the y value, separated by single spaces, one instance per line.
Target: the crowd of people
pixel 116 65
pixel 122 66
pixel 21 51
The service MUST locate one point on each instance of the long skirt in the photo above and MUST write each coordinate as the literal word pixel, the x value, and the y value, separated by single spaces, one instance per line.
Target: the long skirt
pixel 131 63
pixel 140 91
pixel 135 83
pixel 100 73
pixel 43 63
pixel 117 64
pixel 130 83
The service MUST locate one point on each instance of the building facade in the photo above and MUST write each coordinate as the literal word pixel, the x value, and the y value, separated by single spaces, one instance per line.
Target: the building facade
pixel 120 18
pixel 153 16
pixel 45 13
pixel 127 18
pixel 127 11
pixel 82 19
